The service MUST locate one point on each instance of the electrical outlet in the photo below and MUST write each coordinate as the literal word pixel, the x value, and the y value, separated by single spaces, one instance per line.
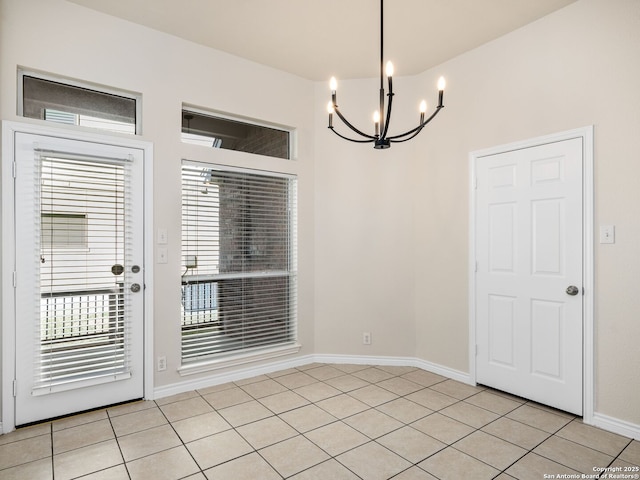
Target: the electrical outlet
pixel 366 338
pixel 162 363
pixel 162 255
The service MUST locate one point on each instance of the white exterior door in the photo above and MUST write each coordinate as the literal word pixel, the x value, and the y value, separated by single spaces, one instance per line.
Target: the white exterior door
pixel 79 276
pixel 528 298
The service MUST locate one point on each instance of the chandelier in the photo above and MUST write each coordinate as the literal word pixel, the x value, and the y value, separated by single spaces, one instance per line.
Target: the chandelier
pixel 382 116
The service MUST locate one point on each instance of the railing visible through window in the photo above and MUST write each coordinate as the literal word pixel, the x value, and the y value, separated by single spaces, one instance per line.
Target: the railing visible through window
pixel 238 260
pixel 82 247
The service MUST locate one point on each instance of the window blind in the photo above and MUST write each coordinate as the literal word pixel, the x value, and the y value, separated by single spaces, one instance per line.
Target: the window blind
pixel 82 332
pixel 238 260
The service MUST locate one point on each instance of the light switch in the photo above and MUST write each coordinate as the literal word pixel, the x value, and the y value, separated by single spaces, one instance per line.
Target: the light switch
pixel 607 234
pixel 161 236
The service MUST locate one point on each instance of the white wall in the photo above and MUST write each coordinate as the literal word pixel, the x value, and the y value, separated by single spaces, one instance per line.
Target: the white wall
pixel 61 38
pixel 579 66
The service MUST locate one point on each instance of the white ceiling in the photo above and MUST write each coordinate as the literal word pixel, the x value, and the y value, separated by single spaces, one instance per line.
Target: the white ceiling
pixel 316 39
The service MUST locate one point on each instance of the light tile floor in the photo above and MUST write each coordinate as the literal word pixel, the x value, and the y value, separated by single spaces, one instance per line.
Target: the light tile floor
pixel 325 422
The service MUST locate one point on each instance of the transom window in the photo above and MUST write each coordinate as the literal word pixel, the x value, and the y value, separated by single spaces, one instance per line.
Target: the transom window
pixel 233 134
pixel 72 103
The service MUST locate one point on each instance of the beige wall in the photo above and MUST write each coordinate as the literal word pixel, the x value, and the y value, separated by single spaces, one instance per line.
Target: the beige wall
pixel 383 235
pixel 403 219
pixel 58 37
pixel 577 67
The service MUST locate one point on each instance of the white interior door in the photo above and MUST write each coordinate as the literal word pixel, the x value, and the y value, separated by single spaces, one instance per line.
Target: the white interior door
pixel 529 318
pixel 79 275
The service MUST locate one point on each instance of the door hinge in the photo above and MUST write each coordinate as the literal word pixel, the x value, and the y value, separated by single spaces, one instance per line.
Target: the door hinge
pixel 15 279
pixel 476 266
pixel 476 349
pixel 475 183
pixel 15 387
pixel 13 169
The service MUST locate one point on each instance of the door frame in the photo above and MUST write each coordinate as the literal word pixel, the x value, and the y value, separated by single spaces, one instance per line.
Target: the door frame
pixel 586 134
pixel 7 327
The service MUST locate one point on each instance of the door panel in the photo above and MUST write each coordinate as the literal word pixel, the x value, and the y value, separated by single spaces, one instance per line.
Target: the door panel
pixel 79 330
pixel 547 325
pixel 501 331
pixel 502 247
pixel 547 242
pixel 528 251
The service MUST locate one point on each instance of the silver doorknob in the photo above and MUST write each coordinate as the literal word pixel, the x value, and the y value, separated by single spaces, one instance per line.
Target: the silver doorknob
pixel 572 290
pixel 135 287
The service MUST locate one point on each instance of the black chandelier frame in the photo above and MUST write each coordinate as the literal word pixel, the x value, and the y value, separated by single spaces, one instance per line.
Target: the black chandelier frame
pixel 380 138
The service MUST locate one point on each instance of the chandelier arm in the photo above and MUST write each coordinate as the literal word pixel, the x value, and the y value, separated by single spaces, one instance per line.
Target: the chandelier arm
pixel 388 120
pixel 415 134
pixel 348 124
pixel 398 138
pixel 350 139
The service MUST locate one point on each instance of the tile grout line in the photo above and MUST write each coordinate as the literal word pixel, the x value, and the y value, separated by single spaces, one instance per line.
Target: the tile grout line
pixel 370 407
pixel 115 436
pixel 53 470
pixel 183 444
pixel 617 456
pixel 370 381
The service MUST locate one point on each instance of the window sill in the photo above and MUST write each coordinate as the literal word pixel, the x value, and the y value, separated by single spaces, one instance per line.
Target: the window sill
pixel 239 359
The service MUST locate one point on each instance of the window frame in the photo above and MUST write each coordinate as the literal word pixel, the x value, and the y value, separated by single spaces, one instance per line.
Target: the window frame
pixel 291 131
pixel 225 359
pixel 72 82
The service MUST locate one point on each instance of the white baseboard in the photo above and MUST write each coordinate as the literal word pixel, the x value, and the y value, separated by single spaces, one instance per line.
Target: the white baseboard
pixel 234 376
pixel 605 422
pixel 600 420
pixel 621 427
pixel 241 374
pixel 397 361
pixel 451 373
pixel 362 360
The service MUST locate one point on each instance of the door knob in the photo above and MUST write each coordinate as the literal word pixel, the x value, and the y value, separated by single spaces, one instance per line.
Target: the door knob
pixel 135 287
pixel 572 290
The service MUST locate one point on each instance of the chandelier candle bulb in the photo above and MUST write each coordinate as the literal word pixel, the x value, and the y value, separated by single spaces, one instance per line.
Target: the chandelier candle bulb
pixel 423 110
pixel 330 110
pixel 441 84
pixel 389 69
pixel 333 85
pixel 376 122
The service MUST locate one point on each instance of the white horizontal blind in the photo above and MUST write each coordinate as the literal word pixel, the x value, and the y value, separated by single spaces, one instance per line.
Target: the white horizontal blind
pixel 83 248
pixel 238 260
